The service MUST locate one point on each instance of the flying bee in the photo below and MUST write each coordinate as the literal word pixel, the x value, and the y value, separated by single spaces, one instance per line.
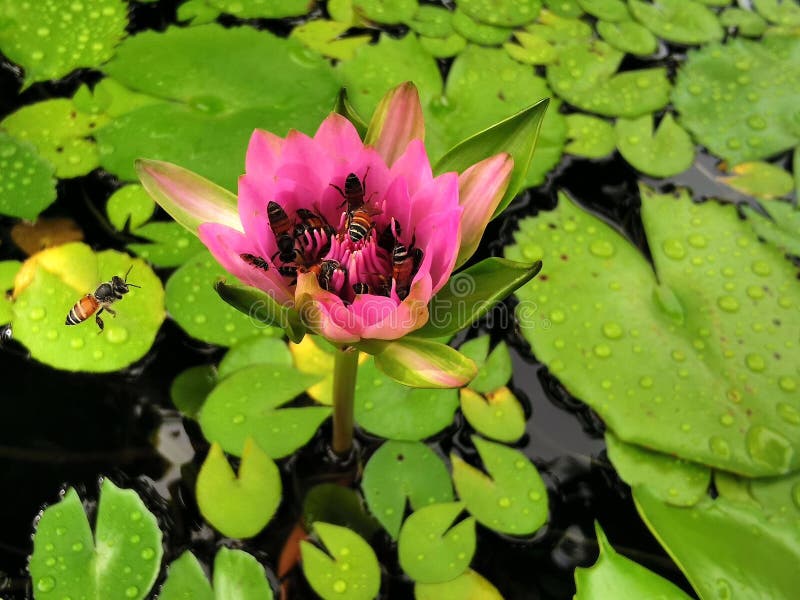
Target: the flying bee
pixel 282 230
pixel 103 297
pixel 353 192
pixel 405 262
pixel 255 261
pixel 324 271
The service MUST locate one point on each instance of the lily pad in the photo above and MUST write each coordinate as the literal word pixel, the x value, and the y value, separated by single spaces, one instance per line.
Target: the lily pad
pixel 393 411
pixel 564 8
pixel 443 47
pixel 255 351
pixel 586 77
pixel 67 36
pixel 531 50
pixel 477 32
pixel 431 548
pixel 239 507
pixel 323 36
pixel 712 319
pixel 338 505
pixel 237 576
pixel 377 68
pixel 760 179
pixel 27 185
pixel 628 36
pixel 713 542
pixel 8 271
pixel 494 370
pixel 467 585
pixel 505 13
pixel 121 561
pixel 196 307
pixel 401 473
pixel 673 480
pixel 746 22
pixel 262 9
pixel 680 21
pixel 559 30
pixel 497 415
pixel 171 244
pixel 589 136
pixel 664 152
pixel 432 21
pixel 389 12
pixel 191 387
pixel 129 206
pixel 349 566
pixel 783 230
pixel 627 579
pixel 779 12
pixel 511 498
pixel 59 132
pixel 52 281
pixel 739 99
pixel 606 10
pixel 248 404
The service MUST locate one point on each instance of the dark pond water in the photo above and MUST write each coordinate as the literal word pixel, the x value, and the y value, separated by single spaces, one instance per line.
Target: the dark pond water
pixel 68 429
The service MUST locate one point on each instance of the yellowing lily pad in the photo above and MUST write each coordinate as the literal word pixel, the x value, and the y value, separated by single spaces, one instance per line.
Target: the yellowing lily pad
pixel 314 356
pixel 52 281
pixel 713 321
pixel 239 507
pixel 497 415
pixel 511 498
pixel 467 585
pixel 760 179
pixel 27 185
pixel 663 152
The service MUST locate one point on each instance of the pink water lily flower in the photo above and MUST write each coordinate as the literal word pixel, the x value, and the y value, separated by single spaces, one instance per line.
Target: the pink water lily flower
pixel 356 236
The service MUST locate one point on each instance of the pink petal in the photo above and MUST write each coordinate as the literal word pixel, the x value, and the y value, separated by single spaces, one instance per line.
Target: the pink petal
pixel 439 236
pixel 480 190
pixel 414 165
pixel 397 120
pixel 408 316
pixel 337 136
pixel 315 161
pixel 324 312
pixel 227 245
pixel 263 156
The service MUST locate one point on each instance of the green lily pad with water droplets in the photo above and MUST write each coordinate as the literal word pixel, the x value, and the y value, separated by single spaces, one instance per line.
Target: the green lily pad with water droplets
pixel 560 30
pixel 323 36
pixel 467 585
pixel 780 12
pixel 53 280
pixel 432 21
pixel 171 244
pixel 52 38
pixel 477 32
pixel 59 132
pixel 122 560
pixel 664 152
pixel 494 369
pixel 502 13
pixel 191 387
pixel 511 498
pixel 393 411
pixel 589 136
pixel 443 47
pixel 249 403
pixel 237 576
pixel 627 579
pixel 746 22
pixel 238 506
pixel 606 10
pixel 531 49
pixel 262 9
pixel 673 480
pixel 401 473
pixel 628 36
pixel 565 8
pixel 739 99
pixel 431 548
pixel 129 206
pixel 586 77
pixel 27 185
pixel 198 309
pixel 497 414
pixel 255 351
pixel 680 21
pixel 782 230
pixel 388 12
pixel 377 68
pixel 714 540
pixel 713 325
pixel 760 179
pixel 349 569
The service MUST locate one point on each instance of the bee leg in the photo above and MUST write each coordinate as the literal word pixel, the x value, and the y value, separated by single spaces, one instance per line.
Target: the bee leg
pixel 113 313
pixel 99 321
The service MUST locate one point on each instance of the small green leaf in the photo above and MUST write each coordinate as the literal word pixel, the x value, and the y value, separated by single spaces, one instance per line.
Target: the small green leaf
pixel 345 108
pixel 239 507
pixel 433 550
pixel 782 230
pixel 531 50
pixel 262 9
pixel 443 47
pixel 476 349
pixel 262 309
pixel 248 403
pixel 680 21
pixel 122 561
pixel 403 472
pixel 388 409
pixel 779 12
pixel 388 12
pixel 197 12
pixel 494 372
pixel 186 579
pixel 498 415
pixel 467 585
pixel 350 567
pixel 673 480
pixel 323 36
pixel 255 351
pixel 129 206
pixel 511 498
pixel 515 135
pixel 473 292
pixel 760 179
pixel 606 10
pixel 196 307
pixel 338 505
pixel 620 576
pixel 747 22
pixel 628 36
pixel 591 137
pixel 504 13
pixel 477 32
pixel 564 8
pixel 432 21
pixel 191 387
pixel 172 245
pixel 27 185
pixel 662 153
pixel 421 363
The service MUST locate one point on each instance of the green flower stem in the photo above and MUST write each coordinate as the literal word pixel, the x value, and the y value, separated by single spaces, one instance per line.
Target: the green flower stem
pixel 345 371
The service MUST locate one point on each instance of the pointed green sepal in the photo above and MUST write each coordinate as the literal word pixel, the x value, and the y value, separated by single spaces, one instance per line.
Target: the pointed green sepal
pixel 348 111
pixel 262 308
pixel 515 135
pixel 473 292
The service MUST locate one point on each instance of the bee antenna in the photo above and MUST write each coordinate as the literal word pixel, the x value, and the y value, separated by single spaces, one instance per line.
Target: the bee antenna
pixel 126 274
pixel 133 285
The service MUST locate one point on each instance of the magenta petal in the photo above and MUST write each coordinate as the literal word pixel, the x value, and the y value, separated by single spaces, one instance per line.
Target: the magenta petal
pixel 414 165
pixel 441 234
pixel 408 316
pixel 299 149
pixel 263 155
pixel 337 136
pixel 397 120
pixel 227 245
pixel 324 312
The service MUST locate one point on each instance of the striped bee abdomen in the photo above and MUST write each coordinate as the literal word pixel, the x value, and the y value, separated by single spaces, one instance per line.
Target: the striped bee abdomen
pixel 83 309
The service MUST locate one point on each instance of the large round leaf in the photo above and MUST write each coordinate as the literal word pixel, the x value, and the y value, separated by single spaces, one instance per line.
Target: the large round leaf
pixel 27 186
